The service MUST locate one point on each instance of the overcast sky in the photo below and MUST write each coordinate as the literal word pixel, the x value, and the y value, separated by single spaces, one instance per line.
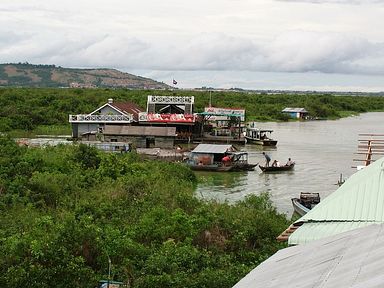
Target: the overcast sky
pixel 255 44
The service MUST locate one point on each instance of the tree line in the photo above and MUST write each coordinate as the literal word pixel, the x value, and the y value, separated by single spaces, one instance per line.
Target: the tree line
pixel 28 108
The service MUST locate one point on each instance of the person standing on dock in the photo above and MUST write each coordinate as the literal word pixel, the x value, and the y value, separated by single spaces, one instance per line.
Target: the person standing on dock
pixel 267 159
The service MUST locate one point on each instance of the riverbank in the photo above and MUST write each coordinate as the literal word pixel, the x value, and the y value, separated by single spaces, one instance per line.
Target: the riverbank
pixel 170 155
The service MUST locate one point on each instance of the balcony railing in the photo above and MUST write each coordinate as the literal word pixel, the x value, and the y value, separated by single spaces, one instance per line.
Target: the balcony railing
pixel 177 100
pixel 86 118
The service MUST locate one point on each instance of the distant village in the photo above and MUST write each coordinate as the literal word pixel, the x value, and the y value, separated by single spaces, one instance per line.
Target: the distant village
pixel 166 122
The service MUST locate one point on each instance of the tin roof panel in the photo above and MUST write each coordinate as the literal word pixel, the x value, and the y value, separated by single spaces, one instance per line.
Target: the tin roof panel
pixel 214 148
pixel 343 260
pixel 360 198
pixel 295 110
pixel 358 202
pixel 311 231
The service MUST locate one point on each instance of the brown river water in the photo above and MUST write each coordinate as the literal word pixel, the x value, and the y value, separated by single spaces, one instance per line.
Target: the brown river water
pixel 322 151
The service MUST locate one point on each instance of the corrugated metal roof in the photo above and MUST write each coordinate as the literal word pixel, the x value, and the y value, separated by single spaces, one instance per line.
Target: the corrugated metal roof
pixel 359 200
pixel 128 107
pixel 309 232
pixel 139 130
pixel 351 259
pixel 289 109
pixel 214 148
pixel 122 107
pixel 220 114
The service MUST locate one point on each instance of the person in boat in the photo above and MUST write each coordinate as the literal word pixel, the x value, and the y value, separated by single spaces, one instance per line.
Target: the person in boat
pixel 275 163
pixel 289 162
pixel 267 159
pixel 226 160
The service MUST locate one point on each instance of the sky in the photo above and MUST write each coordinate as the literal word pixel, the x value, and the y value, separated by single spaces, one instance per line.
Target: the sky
pixel 321 45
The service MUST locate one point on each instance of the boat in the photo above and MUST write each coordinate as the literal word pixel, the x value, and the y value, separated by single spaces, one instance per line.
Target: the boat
pixel 254 135
pixel 277 168
pixel 305 203
pixel 219 157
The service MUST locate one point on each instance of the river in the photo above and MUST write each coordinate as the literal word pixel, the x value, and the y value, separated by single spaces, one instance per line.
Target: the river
pixel 322 151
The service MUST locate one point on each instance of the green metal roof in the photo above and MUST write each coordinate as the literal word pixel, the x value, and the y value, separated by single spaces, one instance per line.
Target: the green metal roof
pixel 358 202
pixel 309 232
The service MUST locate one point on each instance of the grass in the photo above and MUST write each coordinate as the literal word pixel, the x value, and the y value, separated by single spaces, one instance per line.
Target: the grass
pixel 344 114
pixel 51 130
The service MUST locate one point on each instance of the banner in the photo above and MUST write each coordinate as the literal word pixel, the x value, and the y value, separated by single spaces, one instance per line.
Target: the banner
pixel 165 118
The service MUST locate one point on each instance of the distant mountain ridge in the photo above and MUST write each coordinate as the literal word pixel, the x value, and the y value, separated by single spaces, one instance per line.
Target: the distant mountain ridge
pixel 30 75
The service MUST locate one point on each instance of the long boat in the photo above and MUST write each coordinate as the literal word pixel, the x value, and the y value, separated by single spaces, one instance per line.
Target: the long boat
pixel 220 158
pixel 305 203
pixel 258 136
pixel 277 168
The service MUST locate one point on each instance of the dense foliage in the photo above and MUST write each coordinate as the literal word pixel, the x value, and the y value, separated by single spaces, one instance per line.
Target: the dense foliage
pixel 67 210
pixel 28 108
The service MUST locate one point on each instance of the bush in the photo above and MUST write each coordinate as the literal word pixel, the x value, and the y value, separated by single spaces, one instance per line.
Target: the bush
pixel 67 210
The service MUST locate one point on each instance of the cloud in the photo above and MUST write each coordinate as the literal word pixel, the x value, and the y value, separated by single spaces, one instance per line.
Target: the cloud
pixel 301 51
pixel 349 2
pixel 45 35
pixel 293 51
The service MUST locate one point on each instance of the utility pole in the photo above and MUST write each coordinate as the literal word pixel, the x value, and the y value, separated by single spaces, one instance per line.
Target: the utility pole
pixel 210 99
pixel 109 270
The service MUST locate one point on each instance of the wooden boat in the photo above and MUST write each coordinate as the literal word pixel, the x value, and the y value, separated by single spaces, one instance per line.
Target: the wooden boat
pixel 305 203
pixel 239 162
pixel 218 167
pixel 277 168
pixel 220 158
pixel 258 136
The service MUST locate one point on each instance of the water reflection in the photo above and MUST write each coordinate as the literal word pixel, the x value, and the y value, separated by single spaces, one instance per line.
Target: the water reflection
pixel 322 151
pixel 221 180
pixel 215 185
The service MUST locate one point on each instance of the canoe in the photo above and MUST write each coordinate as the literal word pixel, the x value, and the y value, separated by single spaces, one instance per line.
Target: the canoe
pixel 305 203
pixel 298 207
pixel 277 168
pixel 243 167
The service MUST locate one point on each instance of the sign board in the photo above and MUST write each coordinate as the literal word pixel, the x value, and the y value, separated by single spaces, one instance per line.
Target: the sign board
pixel 166 118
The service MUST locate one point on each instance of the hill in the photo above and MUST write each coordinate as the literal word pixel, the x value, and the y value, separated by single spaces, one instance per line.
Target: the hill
pixel 29 75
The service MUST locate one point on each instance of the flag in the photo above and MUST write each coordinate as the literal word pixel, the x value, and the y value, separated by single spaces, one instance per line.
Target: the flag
pixel 174 82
